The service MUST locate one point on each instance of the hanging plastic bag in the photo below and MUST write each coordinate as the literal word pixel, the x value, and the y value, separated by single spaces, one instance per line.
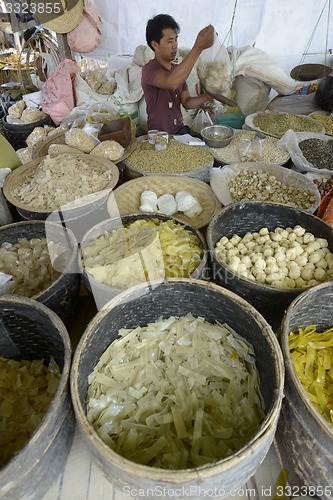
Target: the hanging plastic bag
pixel 201 120
pixel 214 68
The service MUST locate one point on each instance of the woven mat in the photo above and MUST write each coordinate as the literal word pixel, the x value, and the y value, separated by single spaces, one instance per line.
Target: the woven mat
pixel 126 198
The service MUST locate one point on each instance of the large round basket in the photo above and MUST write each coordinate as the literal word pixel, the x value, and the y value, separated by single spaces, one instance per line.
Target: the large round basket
pixel 34 332
pixel 126 197
pixel 220 179
pixel 103 293
pixel 177 297
pixel 306 435
pixel 62 295
pixel 243 217
pixel 17 134
pixel 77 216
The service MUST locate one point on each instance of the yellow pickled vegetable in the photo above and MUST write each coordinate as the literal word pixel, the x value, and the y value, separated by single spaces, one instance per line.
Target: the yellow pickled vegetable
pixel 312 355
pixel 26 391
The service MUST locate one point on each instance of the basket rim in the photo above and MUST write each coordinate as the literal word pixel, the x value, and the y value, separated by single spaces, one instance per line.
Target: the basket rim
pixel 198 188
pixel 26 126
pixel 259 286
pixel 182 474
pixel 289 365
pixel 25 169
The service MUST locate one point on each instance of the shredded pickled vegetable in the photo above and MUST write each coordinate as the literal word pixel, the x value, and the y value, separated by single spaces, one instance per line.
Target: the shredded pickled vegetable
pixel 312 355
pixel 26 391
pixel 177 393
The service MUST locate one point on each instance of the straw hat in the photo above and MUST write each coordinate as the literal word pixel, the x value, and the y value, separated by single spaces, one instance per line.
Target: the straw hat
pixel 65 15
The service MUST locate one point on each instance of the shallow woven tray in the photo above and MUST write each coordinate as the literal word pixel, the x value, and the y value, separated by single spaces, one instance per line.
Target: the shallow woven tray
pixel 127 196
pixel 220 181
pixel 42 148
pixel 249 122
pixel 19 175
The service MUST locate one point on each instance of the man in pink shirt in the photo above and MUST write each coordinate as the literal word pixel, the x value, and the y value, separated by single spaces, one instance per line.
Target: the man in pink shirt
pixel 163 82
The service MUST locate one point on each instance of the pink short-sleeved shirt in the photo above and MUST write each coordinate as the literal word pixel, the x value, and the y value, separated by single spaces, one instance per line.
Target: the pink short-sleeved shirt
pixel 163 106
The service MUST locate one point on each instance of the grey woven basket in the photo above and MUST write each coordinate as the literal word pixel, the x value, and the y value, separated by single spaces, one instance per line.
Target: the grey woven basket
pixel 143 304
pixel 305 434
pixel 243 217
pixel 29 330
pixel 62 295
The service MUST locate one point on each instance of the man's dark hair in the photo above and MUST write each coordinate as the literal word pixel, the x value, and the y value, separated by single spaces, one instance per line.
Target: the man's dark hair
pixel 156 24
pixel 28 33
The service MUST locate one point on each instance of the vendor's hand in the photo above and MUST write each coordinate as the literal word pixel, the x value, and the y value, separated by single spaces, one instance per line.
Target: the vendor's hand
pixel 205 37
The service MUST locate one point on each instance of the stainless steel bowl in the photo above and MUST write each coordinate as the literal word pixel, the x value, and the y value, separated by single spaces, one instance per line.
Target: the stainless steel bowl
pixel 217 136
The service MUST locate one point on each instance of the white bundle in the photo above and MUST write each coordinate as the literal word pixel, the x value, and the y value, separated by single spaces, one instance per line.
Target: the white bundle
pixel 148 201
pixel 188 204
pixel 167 204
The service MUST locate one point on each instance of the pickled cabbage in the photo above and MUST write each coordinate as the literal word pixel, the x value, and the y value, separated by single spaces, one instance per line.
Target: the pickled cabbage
pixel 176 393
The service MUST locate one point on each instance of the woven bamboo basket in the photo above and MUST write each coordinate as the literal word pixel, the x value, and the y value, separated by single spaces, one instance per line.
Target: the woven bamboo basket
pixel 126 197
pixel 305 434
pixel 243 217
pixel 42 148
pixel 62 295
pixel 103 293
pixel 33 331
pixel 177 297
pixel 80 216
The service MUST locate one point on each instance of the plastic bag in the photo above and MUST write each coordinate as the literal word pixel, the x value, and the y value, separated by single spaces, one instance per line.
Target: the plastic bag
pixel 57 94
pixel 324 94
pixel 201 120
pixel 214 68
pixel 251 150
pixel 290 140
pixel 4 283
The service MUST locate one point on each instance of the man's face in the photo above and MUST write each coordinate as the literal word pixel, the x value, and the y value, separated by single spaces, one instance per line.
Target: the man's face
pixel 167 48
